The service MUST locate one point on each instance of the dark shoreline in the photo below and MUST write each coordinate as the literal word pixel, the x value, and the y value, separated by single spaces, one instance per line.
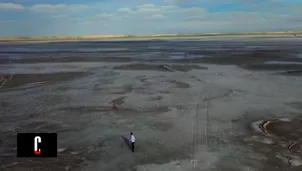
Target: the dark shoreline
pixel 285 34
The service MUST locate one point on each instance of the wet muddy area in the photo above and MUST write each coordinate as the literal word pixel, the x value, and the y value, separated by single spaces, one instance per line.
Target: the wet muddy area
pixel 277 143
pixel 152 67
pixel 118 110
pixel 186 68
pixel 287 129
pixel 126 89
pixel 140 67
pixel 156 98
pixel 28 80
pixel 179 84
pixel 246 53
pixel 292 73
pixel 274 67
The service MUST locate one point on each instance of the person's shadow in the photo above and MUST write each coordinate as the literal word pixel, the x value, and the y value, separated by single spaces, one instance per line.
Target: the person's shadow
pixel 126 142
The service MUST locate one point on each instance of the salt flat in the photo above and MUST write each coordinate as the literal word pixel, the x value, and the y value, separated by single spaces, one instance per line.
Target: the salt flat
pixel 197 118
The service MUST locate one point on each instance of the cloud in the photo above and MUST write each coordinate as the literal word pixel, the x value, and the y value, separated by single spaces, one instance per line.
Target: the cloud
pixel 182 1
pixel 175 16
pixel 151 9
pixel 87 22
pixel 48 8
pixel 59 16
pixel 106 16
pixel 232 22
pixel 155 17
pixel 169 7
pixel 11 7
pixel 193 10
pixel 147 6
pixel 184 11
pixel 147 9
pixel 125 10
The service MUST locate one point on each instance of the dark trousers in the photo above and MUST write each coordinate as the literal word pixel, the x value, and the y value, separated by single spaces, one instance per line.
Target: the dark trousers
pixel 132 146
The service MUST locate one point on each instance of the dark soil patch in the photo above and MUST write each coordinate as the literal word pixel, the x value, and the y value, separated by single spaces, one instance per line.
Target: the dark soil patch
pixel 161 126
pixel 197 79
pixel 292 73
pixel 118 101
pixel 285 142
pixel 287 130
pixel 272 67
pixel 164 92
pixel 86 109
pixel 156 98
pixel 10 81
pixel 141 66
pixel 126 89
pixel 89 108
pixel 156 110
pixel 152 67
pixel 71 58
pixel 179 84
pixel 143 80
pixel 186 68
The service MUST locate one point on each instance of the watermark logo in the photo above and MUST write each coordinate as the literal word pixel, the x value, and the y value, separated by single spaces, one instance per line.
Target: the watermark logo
pixel 37 151
pixel 37 145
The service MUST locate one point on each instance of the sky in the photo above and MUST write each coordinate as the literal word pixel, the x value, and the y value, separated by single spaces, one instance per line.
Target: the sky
pixel 141 17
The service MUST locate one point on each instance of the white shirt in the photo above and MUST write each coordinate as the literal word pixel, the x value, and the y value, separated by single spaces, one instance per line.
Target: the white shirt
pixel 132 138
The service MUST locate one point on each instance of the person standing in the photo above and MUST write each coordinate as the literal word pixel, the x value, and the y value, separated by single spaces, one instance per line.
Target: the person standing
pixel 132 141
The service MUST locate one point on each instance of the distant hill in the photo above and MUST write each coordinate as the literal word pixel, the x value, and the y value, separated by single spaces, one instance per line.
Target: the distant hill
pixel 155 36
